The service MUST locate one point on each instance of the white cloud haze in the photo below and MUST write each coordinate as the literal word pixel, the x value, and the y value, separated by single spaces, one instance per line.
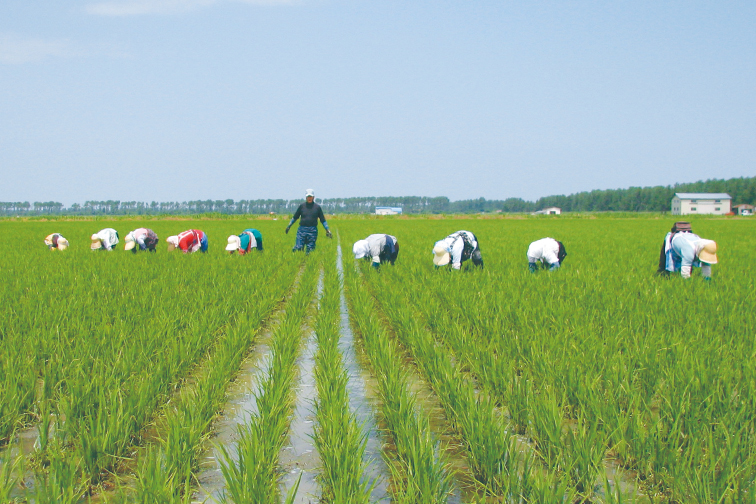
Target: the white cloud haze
pixel 15 50
pixel 147 7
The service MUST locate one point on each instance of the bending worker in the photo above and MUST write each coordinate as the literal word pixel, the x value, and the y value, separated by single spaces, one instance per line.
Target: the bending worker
pixel 310 212
pixel 687 250
pixel 188 242
pixel 105 239
pixel 247 241
pixel 380 247
pixel 145 238
pixel 546 251
pixel 56 241
pixel 457 248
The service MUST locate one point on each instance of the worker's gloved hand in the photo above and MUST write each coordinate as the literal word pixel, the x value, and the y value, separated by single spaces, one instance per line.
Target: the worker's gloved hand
pixel 554 266
pixel 376 265
pixel 328 233
pixel 532 267
pixel 287 229
pixel 707 279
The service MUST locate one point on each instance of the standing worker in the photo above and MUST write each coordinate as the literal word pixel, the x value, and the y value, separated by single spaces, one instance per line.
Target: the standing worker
pixel 685 250
pixel 546 251
pixel 56 241
pixel 380 247
pixel 307 234
pixel 247 241
pixel 457 248
pixel 105 239
pixel 188 242
pixel 145 238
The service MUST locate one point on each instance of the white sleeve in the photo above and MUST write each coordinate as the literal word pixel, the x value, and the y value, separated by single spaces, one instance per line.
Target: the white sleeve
pixel 456 253
pixel 685 271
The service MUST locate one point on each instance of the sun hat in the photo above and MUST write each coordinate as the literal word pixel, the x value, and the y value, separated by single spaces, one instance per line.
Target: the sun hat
pixel 96 245
pixel 310 192
pixel 441 256
pixel 62 243
pixel 172 242
pixel 130 241
pixel 708 253
pixel 234 243
pixel 360 249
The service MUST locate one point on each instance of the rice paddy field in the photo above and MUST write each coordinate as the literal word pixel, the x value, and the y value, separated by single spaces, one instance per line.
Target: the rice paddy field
pixel 282 377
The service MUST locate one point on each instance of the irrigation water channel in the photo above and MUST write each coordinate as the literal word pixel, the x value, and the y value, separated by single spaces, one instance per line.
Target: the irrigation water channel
pixel 299 456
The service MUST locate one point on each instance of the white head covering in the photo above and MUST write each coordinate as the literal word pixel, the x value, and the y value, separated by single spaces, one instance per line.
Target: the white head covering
pixel 360 249
pixel 130 241
pixel 441 255
pixel 234 243
pixel 310 192
pixel 172 242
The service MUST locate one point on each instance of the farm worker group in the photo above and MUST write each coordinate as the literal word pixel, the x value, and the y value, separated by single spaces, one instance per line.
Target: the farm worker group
pixel 188 242
pixel 546 253
pixel 307 233
pixel 457 248
pixel 380 248
pixel 146 239
pixel 105 239
pixel 683 250
pixel 247 241
pixel 56 241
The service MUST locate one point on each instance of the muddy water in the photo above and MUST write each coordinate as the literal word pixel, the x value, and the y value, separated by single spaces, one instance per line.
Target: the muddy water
pixel 299 459
pixel 241 405
pixel 362 399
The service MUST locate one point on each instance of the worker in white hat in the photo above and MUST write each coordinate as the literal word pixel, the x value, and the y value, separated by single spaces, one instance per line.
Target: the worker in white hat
pixel 145 238
pixel 378 247
pixel 247 241
pixel 105 239
pixel 189 241
pixel 56 241
pixel 456 249
pixel 546 253
pixel 685 251
pixel 307 234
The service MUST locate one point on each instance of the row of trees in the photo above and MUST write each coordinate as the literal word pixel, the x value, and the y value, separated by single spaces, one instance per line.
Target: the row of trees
pixel 634 199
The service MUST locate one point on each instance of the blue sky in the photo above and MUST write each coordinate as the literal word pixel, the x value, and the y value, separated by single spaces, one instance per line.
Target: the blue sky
pixel 214 99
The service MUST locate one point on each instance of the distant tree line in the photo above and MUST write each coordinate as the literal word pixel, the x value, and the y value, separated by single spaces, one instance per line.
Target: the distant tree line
pixel 634 199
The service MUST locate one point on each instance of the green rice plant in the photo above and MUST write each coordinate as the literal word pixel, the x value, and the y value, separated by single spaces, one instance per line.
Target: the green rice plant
pixel 252 476
pixel 583 455
pixel 339 439
pixel 419 473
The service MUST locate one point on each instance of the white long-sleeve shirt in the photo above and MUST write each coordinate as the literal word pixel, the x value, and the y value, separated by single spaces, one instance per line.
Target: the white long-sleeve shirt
pixel 372 246
pixel 455 245
pixel 544 250
pixel 108 237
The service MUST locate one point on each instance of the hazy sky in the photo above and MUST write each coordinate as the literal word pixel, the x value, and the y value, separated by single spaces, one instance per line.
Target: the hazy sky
pixel 214 99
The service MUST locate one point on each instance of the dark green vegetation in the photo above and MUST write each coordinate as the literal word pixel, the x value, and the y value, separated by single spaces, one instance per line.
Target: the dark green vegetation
pixel 599 382
pixel 634 199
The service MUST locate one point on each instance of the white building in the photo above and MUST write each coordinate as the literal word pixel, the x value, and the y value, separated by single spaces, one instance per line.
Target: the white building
pixel 701 203
pixel 549 211
pixel 384 210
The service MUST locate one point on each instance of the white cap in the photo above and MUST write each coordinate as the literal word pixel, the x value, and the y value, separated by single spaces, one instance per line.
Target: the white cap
pixel 360 249
pixel 310 192
pixel 234 243
pixel 172 242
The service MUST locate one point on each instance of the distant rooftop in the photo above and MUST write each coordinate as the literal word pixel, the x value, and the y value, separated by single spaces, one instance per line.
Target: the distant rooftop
pixel 692 195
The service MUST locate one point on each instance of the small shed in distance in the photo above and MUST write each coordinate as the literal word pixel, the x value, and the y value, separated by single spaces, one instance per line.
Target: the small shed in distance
pixel 743 209
pixel 384 210
pixel 549 211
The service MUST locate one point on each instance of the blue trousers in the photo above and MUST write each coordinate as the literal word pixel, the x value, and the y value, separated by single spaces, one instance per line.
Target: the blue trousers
pixel 306 238
pixel 203 244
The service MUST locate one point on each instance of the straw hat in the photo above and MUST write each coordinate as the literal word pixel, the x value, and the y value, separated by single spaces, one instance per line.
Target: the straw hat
pixel 172 242
pixel 708 254
pixel 441 256
pixel 130 242
pixel 96 242
pixel 234 243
